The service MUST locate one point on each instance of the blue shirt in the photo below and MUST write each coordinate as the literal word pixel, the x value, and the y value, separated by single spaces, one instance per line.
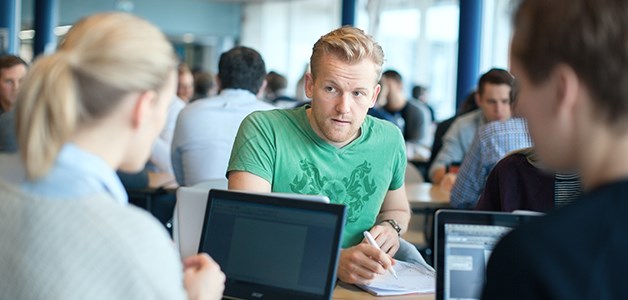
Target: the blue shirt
pixel 75 173
pixel 493 141
pixel 205 131
pixel 457 140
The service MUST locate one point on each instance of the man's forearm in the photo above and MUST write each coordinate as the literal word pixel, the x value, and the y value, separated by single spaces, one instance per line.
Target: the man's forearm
pixel 438 175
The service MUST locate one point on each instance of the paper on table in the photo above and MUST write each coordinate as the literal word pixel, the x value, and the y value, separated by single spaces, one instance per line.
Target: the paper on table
pixel 413 278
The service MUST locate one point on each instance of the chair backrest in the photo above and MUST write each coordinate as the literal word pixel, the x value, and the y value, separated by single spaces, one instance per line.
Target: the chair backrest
pixel 413 175
pixel 189 213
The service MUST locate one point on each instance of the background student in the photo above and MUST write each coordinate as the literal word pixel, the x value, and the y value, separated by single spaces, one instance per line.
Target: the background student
pixel 493 98
pixel 12 71
pixel 206 128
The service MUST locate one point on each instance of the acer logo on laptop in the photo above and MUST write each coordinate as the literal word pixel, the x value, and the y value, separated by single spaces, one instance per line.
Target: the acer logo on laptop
pixel 257 295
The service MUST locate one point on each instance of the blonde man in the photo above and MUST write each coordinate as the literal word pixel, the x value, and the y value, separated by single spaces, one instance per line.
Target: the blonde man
pixel 333 148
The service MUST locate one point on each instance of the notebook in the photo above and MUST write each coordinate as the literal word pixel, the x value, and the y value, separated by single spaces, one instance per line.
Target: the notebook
pixel 412 278
pixel 273 246
pixel 464 242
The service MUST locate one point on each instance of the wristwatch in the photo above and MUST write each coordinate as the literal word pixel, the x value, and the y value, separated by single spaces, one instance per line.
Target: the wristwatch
pixel 394 225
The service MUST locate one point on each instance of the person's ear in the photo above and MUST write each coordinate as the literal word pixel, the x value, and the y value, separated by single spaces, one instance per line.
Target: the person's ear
pixel 309 85
pixel 218 84
pixel 143 104
pixel 566 88
pixel 378 88
pixel 478 100
pixel 262 90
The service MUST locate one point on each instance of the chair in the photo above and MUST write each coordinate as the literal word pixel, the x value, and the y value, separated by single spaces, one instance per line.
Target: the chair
pixel 159 202
pixel 189 213
pixel 413 175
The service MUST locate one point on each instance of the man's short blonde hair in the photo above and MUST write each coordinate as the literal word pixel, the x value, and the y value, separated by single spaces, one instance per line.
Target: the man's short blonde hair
pixel 349 44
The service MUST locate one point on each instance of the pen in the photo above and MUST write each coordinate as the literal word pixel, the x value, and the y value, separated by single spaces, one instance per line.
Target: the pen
pixel 373 243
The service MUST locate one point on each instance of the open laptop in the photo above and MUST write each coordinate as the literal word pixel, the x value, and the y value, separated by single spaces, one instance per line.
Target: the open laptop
pixel 464 241
pixel 189 212
pixel 272 246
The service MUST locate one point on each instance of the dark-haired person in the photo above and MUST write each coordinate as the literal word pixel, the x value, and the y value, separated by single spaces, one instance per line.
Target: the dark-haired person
pixel 570 62
pixel 275 92
pixel 419 93
pixel 12 70
pixel 204 85
pixel 411 116
pixel 493 141
pixel 185 83
pixel 493 98
pixel 206 128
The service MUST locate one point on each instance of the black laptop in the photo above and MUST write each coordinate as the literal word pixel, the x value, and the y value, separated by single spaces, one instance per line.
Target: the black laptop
pixel 273 246
pixel 464 241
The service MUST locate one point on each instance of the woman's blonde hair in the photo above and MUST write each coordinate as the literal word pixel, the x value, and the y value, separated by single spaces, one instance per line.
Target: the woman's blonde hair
pixel 103 58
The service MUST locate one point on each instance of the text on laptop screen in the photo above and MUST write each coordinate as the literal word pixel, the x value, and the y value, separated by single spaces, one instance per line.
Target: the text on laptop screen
pixel 467 249
pixel 271 245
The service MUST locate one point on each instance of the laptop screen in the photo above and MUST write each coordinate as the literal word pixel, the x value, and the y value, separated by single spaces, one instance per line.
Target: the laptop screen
pixel 272 247
pixel 464 243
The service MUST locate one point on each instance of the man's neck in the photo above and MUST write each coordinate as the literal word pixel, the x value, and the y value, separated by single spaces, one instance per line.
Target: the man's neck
pixel 605 163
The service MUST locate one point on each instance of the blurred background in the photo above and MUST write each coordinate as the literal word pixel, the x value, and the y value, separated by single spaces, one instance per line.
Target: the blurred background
pixel 420 37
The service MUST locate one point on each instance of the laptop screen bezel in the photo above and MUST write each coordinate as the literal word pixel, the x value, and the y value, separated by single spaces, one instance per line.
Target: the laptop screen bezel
pixel 237 289
pixel 450 216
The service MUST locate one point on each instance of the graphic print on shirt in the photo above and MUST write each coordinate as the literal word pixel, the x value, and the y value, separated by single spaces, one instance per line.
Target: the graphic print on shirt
pixel 354 191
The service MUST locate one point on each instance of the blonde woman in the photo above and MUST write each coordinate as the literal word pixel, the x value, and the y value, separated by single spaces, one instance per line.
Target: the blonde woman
pixel 94 106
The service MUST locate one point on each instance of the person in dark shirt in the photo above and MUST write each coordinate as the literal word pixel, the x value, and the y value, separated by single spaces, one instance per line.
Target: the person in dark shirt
pixel 275 91
pixel 12 71
pixel 520 182
pixel 571 62
pixel 412 117
pixel 419 93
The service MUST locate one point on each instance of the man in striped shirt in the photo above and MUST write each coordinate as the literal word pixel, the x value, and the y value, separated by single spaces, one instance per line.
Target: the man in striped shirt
pixel 493 141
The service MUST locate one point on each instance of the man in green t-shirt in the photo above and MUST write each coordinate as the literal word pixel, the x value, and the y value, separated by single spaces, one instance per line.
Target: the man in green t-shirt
pixel 333 148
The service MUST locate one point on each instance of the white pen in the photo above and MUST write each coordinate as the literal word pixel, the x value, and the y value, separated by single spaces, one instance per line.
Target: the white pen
pixel 373 243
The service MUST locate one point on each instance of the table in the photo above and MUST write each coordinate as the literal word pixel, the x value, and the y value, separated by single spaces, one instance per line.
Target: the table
pixel 425 199
pixel 162 180
pixel 345 291
pixel 423 195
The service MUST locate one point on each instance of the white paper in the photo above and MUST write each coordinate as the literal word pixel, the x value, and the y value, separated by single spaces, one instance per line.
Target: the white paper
pixel 412 279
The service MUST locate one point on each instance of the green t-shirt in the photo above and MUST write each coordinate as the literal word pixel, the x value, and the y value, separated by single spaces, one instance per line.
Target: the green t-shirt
pixel 281 147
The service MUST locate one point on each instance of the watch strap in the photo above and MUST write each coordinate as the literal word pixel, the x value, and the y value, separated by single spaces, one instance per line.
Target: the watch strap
pixel 394 225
